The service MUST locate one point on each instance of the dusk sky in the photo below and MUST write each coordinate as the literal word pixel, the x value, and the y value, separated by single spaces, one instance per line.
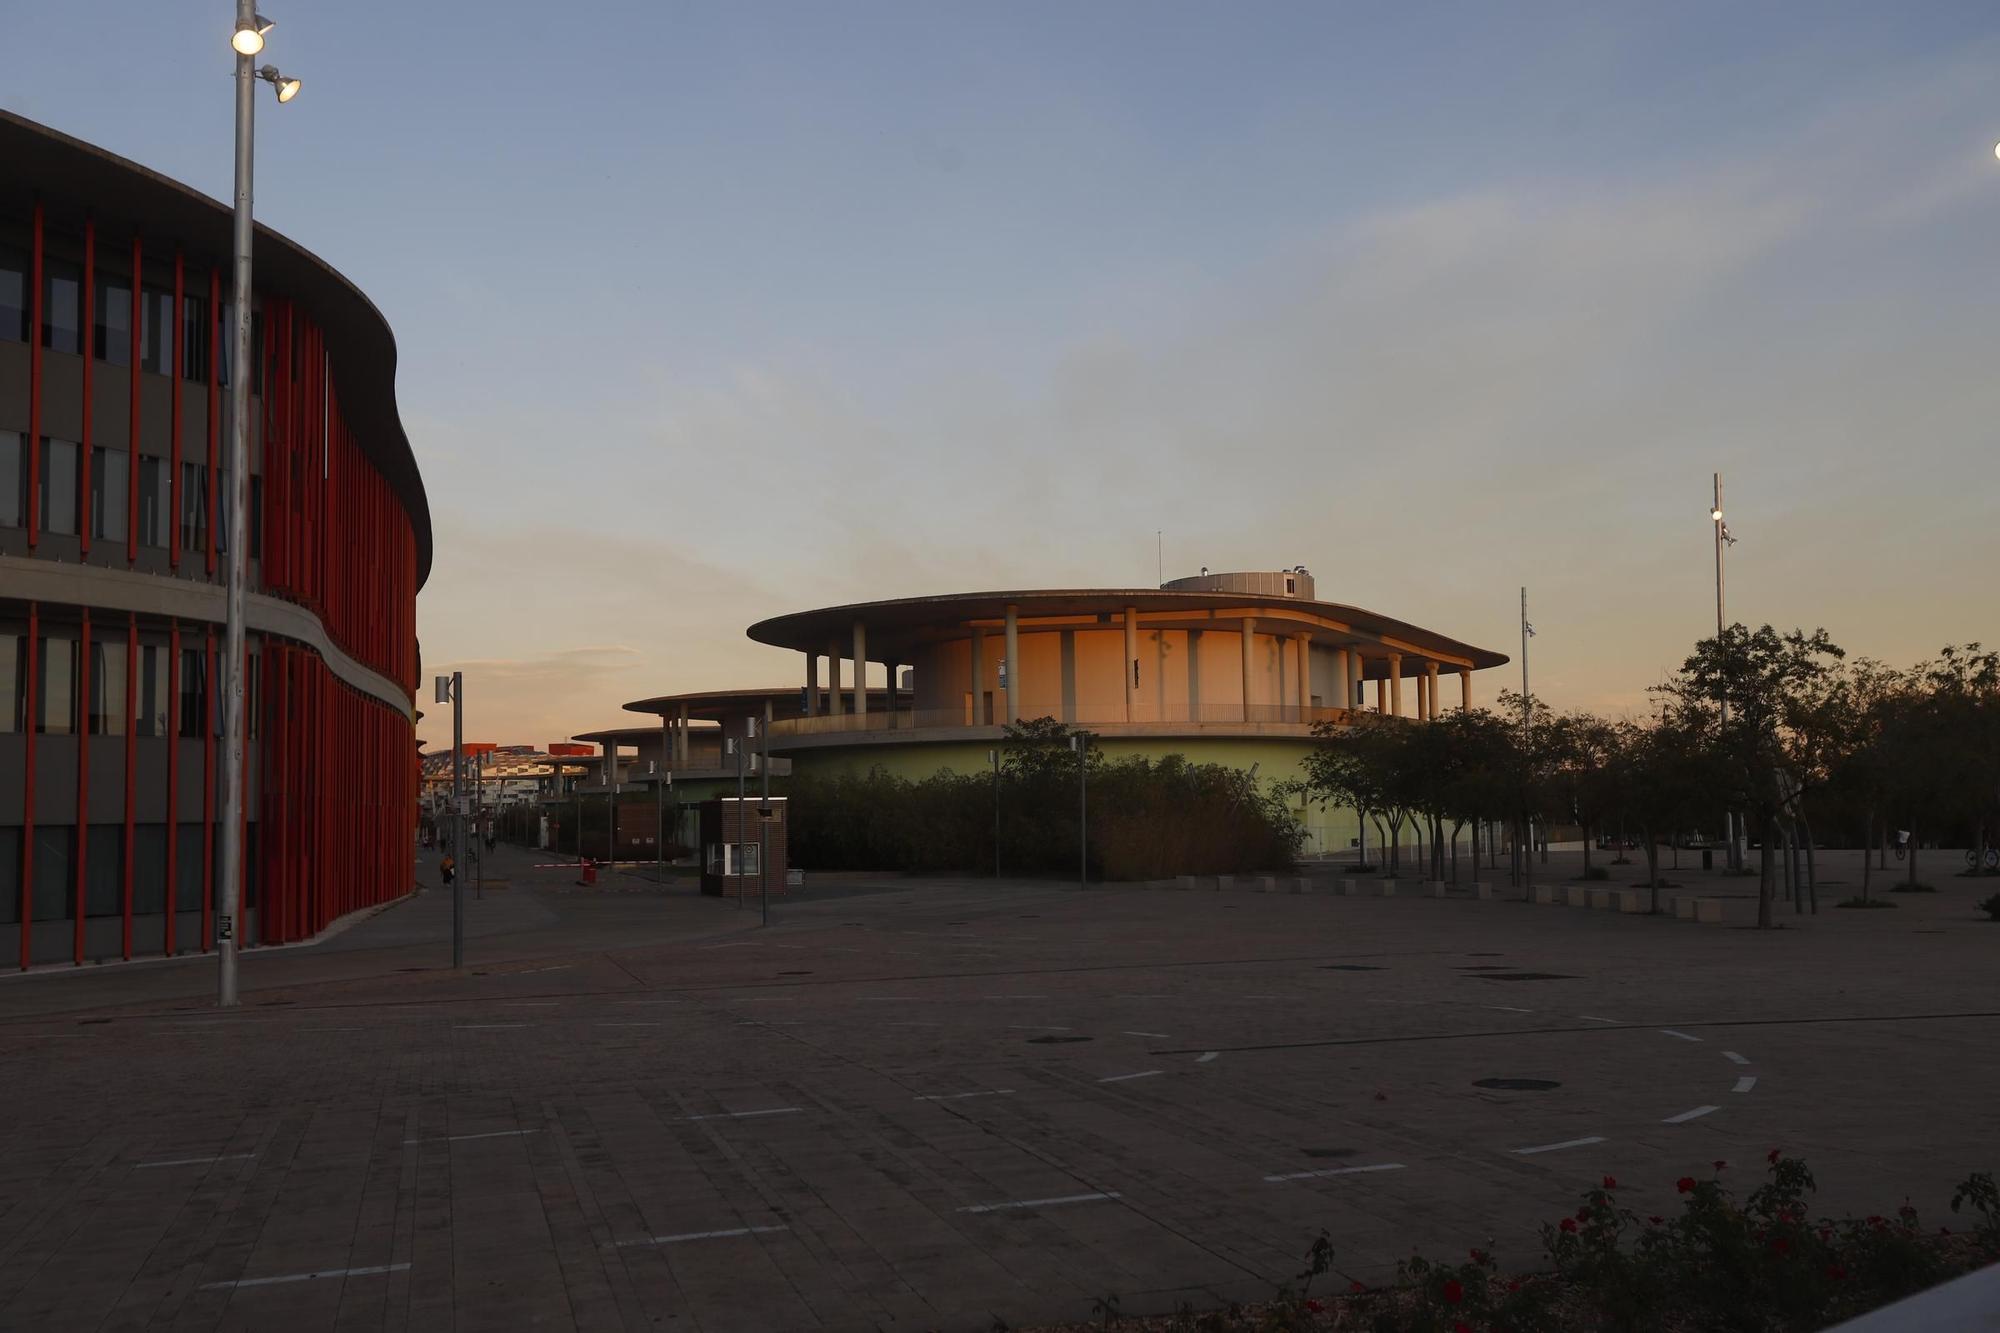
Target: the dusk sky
pixel 712 312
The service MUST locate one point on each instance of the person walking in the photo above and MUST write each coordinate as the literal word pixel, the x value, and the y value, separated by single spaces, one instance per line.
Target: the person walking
pixel 447 868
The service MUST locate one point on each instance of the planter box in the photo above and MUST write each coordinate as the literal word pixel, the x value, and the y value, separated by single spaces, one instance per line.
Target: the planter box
pixel 1545 894
pixel 1482 890
pixel 1385 888
pixel 1437 887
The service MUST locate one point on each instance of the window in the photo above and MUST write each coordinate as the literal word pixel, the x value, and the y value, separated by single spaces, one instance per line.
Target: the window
pixel 194 337
pixel 188 882
pixel 194 691
pixel 110 483
pixel 55 697
pixel 111 320
pixel 104 871
pixel 62 306
pixel 155 503
pixel 107 684
pixel 55 881
pixel 732 858
pixel 58 494
pixel 10 865
pixel 194 507
pixel 13 478
pixel 13 681
pixel 152 716
pixel 156 330
pixel 13 295
pixel 149 868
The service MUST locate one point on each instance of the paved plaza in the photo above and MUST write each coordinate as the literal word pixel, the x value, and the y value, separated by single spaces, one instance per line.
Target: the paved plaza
pixel 930 1104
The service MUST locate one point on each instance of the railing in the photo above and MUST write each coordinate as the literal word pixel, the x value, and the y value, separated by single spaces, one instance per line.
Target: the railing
pixel 1086 716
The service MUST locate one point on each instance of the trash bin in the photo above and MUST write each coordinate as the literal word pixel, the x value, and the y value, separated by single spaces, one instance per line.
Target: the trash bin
pixel 1708 858
pixel 589 871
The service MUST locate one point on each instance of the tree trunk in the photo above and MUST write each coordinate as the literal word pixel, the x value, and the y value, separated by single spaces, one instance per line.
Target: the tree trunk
pixel 1867 834
pixel 1475 851
pixel 1652 865
pixel 1586 851
pixel 1812 871
pixel 1913 852
pixel 1766 878
pixel 1361 835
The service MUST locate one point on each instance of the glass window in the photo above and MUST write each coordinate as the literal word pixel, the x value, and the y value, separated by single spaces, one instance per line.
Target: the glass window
pixel 732 858
pixel 110 484
pixel 55 880
pixel 155 503
pixel 104 871
pixel 62 306
pixel 107 684
pixel 187 884
pixel 55 697
pixel 13 479
pixel 152 717
pixel 194 507
pixel 13 681
pixel 111 320
pixel 194 337
pixel 13 295
pixel 194 691
pixel 59 486
pixel 149 868
pixel 156 329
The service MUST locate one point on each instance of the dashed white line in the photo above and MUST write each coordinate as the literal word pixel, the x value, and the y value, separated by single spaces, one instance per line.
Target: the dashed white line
pixel 1593 1018
pixel 1744 1084
pixel 531 971
pixel 197 1161
pixel 1734 1058
pixel 1686 1116
pixel 1670 1032
pixel 490 1134
pixel 1037 1203
pixel 742 1115
pixel 1337 1171
pixel 1507 1008
pixel 1206 1056
pixel 1120 1078
pixel 1162 1035
pixel 960 1096
pixel 305 1277
pixel 1557 1147
pixel 702 1235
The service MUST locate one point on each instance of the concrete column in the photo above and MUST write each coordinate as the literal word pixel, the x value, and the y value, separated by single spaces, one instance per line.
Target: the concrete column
pixel 833 701
pixel 977 642
pixel 1013 665
pixel 860 669
pixel 1304 641
pixel 1465 689
pixel 812 684
pixel 1431 689
pixel 1382 695
pixel 1194 675
pixel 1423 702
pixel 1131 662
pixel 681 740
pixel 666 744
pixel 1396 684
pixel 1343 689
pixel 1249 634
pixel 889 665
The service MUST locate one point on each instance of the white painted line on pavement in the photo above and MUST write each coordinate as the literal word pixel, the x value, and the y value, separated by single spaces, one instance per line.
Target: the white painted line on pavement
pixel 1338 1171
pixel 1508 1008
pixel 1120 1078
pixel 701 1235
pixel 1686 1116
pixel 305 1277
pixel 1206 1056
pixel 1037 1203
pixel 960 1096
pixel 1734 1058
pixel 490 1134
pixel 1162 1035
pixel 197 1161
pixel 531 971
pixel 1592 1018
pixel 741 1115
pixel 1557 1147
pixel 1682 1035
pixel 1744 1084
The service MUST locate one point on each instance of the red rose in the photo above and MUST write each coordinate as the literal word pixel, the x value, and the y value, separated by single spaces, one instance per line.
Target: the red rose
pixel 1478 1256
pixel 1781 1246
pixel 1655 1220
pixel 1826 1233
pixel 1356 1288
pixel 1454 1292
pixel 1514 1285
pixel 1611 1182
pixel 1569 1224
pixel 1721 1165
pixel 1836 1272
pixel 1772 1157
pixel 1460 1326
pixel 1314 1307
pixel 1583 1214
pixel 1685 1184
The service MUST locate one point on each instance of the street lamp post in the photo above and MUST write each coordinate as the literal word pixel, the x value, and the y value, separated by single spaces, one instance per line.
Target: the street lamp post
pixel 994 757
pixel 1733 857
pixel 247 41
pixel 451 689
pixel 1080 742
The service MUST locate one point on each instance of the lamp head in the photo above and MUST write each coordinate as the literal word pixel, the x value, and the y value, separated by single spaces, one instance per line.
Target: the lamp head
pixel 248 39
pixel 1715 514
pixel 287 88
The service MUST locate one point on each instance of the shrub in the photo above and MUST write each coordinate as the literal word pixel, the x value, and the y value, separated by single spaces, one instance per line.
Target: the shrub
pixel 1596 872
pixel 1991 907
pixel 1867 902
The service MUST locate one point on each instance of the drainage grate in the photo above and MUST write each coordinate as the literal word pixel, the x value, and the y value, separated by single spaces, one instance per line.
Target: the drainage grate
pixel 1053 1040
pixel 1517 1084
pixel 1527 976
pixel 1349 967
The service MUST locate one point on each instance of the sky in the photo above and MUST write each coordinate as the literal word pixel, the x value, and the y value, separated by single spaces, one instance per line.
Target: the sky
pixel 711 312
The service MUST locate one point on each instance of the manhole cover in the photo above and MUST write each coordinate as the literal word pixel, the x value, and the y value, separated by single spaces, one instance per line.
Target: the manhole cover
pixel 1517 1084
pixel 1527 976
pixel 1349 967
pixel 1053 1040
pixel 1328 1152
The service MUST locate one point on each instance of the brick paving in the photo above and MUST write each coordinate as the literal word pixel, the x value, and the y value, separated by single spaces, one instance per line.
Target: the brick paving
pixel 929 1105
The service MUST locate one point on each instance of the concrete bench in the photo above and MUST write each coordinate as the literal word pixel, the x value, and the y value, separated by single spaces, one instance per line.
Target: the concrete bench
pixel 1545 894
pixel 1437 888
pixel 1577 895
pixel 1708 910
pixel 1482 890
pixel 1385 888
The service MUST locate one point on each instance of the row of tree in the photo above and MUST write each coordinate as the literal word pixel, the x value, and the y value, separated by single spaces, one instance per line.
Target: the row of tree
pixel 1800 743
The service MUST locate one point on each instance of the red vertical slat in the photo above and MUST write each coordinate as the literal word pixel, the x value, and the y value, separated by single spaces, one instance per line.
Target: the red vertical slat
pixel 81 730
pixel 87 340
pixel 132 429
pixel 208 805
pixel 173 772
pixel 131 766
pixel 30 732
pixel 34 400
pixel 174 427
pixel 214 396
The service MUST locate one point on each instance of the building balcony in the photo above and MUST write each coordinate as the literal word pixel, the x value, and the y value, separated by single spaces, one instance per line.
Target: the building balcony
pixel 911 725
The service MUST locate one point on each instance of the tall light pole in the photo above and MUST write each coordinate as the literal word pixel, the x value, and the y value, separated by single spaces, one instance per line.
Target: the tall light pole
pixel 247 41
pixel 451 689
pixel 1080 742
pixel 1733 857
pixel 1527 731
